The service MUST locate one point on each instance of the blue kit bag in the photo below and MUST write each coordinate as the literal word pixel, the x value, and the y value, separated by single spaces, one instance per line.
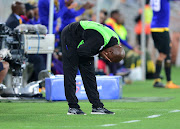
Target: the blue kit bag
pixel 109 87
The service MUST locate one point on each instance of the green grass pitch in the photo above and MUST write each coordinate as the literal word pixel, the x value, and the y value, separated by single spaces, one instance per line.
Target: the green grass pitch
pixel 140 101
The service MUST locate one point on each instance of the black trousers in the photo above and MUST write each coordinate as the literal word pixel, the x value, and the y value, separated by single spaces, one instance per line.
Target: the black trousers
pixel 39 65
pixel 71 63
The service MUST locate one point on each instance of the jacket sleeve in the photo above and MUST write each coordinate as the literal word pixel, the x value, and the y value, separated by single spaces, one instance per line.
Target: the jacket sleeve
pixel 12 22
pixel 78 12
pixel 44 11
pixel 62 7
pixel 125 43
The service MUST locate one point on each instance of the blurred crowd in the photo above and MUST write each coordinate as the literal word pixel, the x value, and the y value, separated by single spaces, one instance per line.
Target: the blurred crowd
pixel 68 11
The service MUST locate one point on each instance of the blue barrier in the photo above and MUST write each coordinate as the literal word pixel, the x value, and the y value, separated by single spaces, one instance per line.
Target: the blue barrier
pixel 109 87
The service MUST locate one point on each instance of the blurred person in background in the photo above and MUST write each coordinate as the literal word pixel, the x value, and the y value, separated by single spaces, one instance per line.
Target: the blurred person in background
pixel 161 37
pixel 36 19
pixel 43 6
pixel 69 13
pixel 29 16
pixel 104 11
pixel 116 22
pixel 132 60
pixel 148 17
pixel 14 19
pixel 138 30
pixel 36 11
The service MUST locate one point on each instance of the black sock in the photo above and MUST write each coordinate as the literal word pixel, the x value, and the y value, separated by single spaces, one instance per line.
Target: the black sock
pixel 168 70
pixel 158 68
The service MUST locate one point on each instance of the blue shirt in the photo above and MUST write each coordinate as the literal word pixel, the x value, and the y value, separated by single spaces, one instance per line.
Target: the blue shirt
pixel 43 6
pixel 17 16
pixel 161 13
pixel 68 15
pixel 34 21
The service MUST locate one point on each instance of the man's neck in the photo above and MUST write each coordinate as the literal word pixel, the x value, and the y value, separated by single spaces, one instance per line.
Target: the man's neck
pixel 113 19
pixel 16 13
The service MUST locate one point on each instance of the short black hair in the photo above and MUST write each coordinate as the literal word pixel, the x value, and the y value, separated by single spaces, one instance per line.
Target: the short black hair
pixel 15 5
pixel 28 7
pixel 147 1
pixel 114 12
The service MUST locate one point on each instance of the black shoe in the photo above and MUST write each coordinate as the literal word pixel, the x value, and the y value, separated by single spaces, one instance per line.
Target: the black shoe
pixel 159 85
pixel 101 111
pixel 75 111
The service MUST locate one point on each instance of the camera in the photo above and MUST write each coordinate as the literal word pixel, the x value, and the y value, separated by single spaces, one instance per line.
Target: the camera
pixel 12 41
pixel 23 40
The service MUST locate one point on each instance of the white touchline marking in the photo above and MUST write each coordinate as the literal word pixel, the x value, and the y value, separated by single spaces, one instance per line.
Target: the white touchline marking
pixel 153 116
pixel 106 125
pixel 174 111
pixel 145 109
pixel 132 121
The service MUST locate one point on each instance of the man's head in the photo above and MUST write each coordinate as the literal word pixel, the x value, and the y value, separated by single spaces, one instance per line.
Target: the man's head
pixel 18 8
pixel 117 17
pixel 103 16
pixel 114 54
pixel 93 17
pixel 29 10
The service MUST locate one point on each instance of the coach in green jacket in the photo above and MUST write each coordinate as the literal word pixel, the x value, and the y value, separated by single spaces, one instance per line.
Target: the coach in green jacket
pixel 80 42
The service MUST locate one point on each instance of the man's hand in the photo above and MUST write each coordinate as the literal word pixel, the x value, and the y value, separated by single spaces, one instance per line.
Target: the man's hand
pixel 73 5
pixel 113 54
pixel 136 50
pixel 88 5
pixel 105 55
